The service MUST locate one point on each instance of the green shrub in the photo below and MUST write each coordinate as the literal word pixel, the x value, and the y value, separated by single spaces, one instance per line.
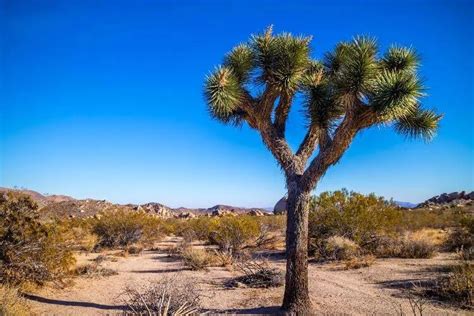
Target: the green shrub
pixel 232 233
pixel 352 215
pixel 30 251
pixel 120 228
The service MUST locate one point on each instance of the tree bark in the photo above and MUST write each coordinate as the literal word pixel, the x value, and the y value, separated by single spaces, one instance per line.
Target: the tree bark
pixel 296 299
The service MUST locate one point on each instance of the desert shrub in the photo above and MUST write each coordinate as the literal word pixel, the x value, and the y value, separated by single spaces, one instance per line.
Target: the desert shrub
pixel 457 286
pixel 223 259
pixel 134 249
pixel 168 296
pixel 336 248
pixel 359 262
pixel 197 258
pixel 416 219
pixel 404 247
pixel 351 215
pixel 257 274
pixel 231 233
pixel 94 270
pixel 461 239
pixel 198 228
pixel 122 227
pixel 30 251
pixel 12 303
pixel 416 248
pixel 79 231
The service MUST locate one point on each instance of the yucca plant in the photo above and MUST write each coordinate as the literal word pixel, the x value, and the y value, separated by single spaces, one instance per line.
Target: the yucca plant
pixel 352 88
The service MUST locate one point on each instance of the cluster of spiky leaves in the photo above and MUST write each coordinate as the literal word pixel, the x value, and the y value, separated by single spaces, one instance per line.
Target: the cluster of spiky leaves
pixel 353 74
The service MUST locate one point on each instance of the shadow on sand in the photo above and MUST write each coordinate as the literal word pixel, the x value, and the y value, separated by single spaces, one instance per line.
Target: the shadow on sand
pixel 45 300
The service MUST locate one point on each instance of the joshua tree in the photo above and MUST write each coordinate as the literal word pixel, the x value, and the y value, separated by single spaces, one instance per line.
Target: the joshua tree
pixel 350 89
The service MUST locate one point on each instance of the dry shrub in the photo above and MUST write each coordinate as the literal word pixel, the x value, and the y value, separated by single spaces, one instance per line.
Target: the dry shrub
pixel 94 270
pixel 11 302
pixel 404 247
pixel 341 248
pixel 359 262
pixel 416 249
pixel 168 296
pixel 457 286
pixel 134 249
pixel 334 248
pixel 121 227
pixel 30 251
pixel 223 259
pixel 461 240
pixel 196 258
pixel 257 274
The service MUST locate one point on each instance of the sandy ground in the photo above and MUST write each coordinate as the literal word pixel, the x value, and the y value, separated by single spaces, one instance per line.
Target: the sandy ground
pixel 378 289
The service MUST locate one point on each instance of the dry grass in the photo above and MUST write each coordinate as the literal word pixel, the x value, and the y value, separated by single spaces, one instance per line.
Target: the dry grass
pixel 405 247
pixel 359 262
pixel 94 270
pixel 11 303
pixel 196 258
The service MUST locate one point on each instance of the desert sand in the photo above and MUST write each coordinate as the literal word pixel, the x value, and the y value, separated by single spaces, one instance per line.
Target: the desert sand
pixel 379 289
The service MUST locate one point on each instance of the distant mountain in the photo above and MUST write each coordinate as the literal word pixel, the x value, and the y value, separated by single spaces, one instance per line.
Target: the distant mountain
pixel 41 199
pixel 405 204
pixel 62 206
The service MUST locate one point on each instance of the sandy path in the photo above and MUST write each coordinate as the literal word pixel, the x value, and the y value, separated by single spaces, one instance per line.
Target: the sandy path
pixel 374 290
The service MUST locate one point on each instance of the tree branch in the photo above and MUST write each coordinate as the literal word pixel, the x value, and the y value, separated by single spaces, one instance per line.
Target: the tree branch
pixel 281 113
pixel 357 118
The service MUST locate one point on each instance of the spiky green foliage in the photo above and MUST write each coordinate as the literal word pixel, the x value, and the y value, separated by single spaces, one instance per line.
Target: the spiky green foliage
pixel 395 94
pixel 400 59
pixel 223 94
pixel 419 123
pixel 283 59
pixel 356 68
pixel 241 61
pixel 351 75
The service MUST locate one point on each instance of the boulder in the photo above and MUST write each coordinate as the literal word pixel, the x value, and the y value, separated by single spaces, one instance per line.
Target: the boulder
pixel 256 213
pixel 280 206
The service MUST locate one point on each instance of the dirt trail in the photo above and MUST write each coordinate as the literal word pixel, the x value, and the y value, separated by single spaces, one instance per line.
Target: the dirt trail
pixel 374 290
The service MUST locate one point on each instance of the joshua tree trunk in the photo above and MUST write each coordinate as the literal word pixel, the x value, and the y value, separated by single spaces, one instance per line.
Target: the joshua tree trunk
pixel 296 299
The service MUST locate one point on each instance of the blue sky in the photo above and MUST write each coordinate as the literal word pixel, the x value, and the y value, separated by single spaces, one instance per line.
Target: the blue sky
pixel 103 99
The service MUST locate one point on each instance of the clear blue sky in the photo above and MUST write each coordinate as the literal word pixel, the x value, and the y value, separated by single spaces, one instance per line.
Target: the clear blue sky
pixel 103 99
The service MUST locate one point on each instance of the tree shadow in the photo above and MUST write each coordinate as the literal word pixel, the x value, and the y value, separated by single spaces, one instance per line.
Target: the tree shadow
pixel 406 284
pixel 45 300
pixel 264 310
pixel 160 270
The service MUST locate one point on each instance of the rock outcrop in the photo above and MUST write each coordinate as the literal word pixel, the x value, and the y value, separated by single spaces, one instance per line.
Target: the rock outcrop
pixel 280 206
pixel 453 199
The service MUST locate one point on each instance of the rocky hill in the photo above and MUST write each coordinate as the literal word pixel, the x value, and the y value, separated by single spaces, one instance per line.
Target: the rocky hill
pixel 446 200
pixel 41 199
pixel 62 206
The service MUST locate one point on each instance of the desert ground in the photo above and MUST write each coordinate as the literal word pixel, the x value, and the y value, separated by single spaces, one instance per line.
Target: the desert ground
pixel 379 289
